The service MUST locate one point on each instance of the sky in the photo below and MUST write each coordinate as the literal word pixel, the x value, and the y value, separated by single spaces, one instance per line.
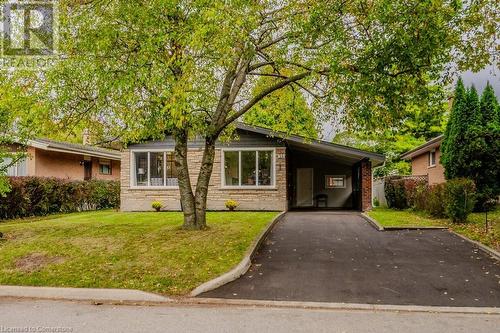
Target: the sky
pixel 489 74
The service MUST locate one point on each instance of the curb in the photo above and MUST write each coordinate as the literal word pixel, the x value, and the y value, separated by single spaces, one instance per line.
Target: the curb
pixel 342 306
pixel 242 267
pixel 372 222
pixel 95 295
pixel 487 249
pixel 141 298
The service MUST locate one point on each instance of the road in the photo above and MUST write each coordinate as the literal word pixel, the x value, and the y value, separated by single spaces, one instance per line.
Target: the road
pixel 61 316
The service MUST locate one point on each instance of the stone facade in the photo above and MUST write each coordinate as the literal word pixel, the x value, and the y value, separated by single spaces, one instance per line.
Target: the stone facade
pixel 140 199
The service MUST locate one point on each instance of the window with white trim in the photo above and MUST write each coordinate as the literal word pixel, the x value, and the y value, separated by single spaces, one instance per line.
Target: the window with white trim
pixel 432 158
pixel 247 168
pixel 335 181
pixel 154 168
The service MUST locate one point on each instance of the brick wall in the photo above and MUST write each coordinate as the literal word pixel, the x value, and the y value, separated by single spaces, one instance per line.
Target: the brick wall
pixel 420 167
pixel 250 199
pixel 366 185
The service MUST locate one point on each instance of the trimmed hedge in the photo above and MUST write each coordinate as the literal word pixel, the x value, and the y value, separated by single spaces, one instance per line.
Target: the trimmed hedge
pixel 37 196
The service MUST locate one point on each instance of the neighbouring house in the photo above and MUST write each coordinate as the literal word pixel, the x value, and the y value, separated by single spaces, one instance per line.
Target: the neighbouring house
pixel 425 161
pixel 50 158
pixel 261 169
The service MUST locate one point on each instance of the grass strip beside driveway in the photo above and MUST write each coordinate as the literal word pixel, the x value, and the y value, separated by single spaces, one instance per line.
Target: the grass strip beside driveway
pixel 473 229
pixel 146 251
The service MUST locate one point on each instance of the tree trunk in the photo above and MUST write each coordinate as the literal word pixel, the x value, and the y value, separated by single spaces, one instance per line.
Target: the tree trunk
pixel 203 182
pixel 186 192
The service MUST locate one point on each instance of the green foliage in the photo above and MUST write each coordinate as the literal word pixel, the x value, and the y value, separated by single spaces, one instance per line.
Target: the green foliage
pixel 431 199
pixel 420 124
pixel 471 145
pixel 284 110
pixel 459 199
pixel 156 205
pixel 232 204
pixel 178 56
pixel 19 107
pixel 487 179
pixel 35 196
pixel 402 193
pixel 376 203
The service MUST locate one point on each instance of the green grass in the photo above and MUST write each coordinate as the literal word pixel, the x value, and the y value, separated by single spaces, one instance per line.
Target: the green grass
pixel 108 249
pixel 473 229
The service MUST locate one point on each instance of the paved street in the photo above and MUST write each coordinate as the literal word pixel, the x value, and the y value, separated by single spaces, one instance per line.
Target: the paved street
pixel 339 257
pixel 81 317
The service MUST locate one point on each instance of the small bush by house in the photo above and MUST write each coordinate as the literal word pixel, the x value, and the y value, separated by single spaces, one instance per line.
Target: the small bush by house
pixel 460 198
pixel 401 193
pixel 37 196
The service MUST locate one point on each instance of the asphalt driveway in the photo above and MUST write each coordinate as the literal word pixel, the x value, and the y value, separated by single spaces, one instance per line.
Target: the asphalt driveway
pixel 339 257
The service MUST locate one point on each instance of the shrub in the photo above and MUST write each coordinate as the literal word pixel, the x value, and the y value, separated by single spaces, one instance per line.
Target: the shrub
pixel 231 204
pixel 376 203
pixel 394 193
pixel 35 196
pixel 460 198
pixel 156 205
pixel 401 192
pixel 434 199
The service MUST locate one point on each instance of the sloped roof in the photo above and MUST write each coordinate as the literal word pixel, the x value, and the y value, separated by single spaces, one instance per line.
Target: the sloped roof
pixel 74 148
pixel 431 144
pixel 320 146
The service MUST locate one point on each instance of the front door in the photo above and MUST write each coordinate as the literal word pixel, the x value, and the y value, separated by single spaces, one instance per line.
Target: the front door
pixel 87 170
pixel 304 187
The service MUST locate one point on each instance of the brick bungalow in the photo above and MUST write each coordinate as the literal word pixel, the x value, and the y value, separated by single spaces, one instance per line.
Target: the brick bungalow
pixel 425 160
pixel 50 158
pixel 261 169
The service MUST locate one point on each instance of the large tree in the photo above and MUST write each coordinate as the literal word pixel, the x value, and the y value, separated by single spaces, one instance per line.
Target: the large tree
pixel 141 69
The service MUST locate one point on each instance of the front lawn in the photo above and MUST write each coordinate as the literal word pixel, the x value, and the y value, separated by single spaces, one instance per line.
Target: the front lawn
pixel 108 249
pixel 473 229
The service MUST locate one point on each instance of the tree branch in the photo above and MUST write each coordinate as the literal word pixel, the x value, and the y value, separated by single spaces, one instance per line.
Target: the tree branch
pixel 260 96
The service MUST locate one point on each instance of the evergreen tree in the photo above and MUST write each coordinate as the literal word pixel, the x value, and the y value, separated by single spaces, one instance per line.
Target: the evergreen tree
pixel 471 145
pixel 454 133
pixel 488 178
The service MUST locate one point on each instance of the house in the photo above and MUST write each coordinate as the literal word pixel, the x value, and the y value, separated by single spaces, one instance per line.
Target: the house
pixel 425 160
pixel 50 158
pixel 261 169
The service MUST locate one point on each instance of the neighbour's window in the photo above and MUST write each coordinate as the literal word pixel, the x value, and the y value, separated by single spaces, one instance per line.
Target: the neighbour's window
pixel 18 169
pixel 104 167
pixel 335 181
pixel 432 158
pixel 248 168
pixel 155 169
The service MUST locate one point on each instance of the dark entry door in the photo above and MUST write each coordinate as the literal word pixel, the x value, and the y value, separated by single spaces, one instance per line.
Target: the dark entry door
pixel 87 170
pixel 356 186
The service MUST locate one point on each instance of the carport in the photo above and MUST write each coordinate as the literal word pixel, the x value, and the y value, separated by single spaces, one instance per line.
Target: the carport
pixel 324 175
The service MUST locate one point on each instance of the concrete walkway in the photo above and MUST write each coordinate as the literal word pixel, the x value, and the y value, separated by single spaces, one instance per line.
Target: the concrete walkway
pixel 339 257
